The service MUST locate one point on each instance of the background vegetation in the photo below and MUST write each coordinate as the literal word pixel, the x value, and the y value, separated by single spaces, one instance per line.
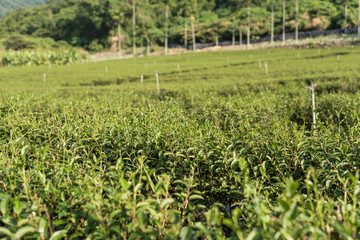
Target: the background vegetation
pixel 91 23
pixel 8 5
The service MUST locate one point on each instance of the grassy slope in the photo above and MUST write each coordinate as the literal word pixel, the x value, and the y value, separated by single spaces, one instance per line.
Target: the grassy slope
pixel 232 70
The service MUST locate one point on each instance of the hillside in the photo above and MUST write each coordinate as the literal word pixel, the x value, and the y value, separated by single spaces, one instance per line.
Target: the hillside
pixel 91 23
pixel 8 5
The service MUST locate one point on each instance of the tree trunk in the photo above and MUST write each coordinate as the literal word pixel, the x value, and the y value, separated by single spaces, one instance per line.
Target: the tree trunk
pixel 272 22
pixel 359 21
pixel 134 28
pixel 147 44
pixel 240 36
pixel 51 18
pixel 346 13
pixel 284 19
pixel 297 22
pixel 185 34
pixel 119 38
pixel 233 36
pixel 193 34
pixel 217 39
pixel 166 28
pixel 248 27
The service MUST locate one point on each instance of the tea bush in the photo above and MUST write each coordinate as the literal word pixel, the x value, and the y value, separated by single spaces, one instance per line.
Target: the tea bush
pixel 223 152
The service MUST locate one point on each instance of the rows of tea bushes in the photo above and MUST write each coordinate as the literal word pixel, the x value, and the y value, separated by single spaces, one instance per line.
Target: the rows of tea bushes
pixel 33 58
pixel 235 158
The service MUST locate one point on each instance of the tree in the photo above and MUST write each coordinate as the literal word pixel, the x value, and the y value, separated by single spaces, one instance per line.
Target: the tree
pixel 346 16
pixel 297 22
pixel 248 27
pixel 117 11
pixel 185 12
pixel 359 20
pixel 192 18
pixel 166 24
pixel 272 21
pixel 217 28
pixel 284 21
pixel 134 26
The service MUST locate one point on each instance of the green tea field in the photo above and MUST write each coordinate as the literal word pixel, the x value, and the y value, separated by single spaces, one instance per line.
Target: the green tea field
pixel 226 149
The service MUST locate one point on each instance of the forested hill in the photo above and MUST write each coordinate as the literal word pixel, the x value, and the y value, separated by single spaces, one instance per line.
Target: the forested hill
pixel 8 5
pixel 91 23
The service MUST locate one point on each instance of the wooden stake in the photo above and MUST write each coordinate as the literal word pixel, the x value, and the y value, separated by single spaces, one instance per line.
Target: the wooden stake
pixel 312 89
pixel 157 82
pixel 142 79
pixel 44 76
pixel 266 68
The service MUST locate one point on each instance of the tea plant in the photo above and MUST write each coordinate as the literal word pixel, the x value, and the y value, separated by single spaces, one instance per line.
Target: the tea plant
pixel 223 151
pixel 33 58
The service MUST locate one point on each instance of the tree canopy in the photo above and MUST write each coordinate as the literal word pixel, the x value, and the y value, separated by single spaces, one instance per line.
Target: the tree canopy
pixel 8 5
pixel 91 23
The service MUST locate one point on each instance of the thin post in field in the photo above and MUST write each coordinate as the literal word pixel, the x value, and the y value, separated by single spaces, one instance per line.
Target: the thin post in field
pixel 312 89
pixel 44 77
pixel 141 79
pixel 157 82
pixel 266 68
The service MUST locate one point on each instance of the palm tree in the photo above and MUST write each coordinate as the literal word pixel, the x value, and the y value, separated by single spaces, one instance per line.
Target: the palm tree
pixel 233 32
pixel 134 27
pixel 117 10
pixel 272 21
pixel 248 26
pixel 284 20
pixel 192 18
pixel 346 13
pixel 297 22
pixel 359 20
pixel 184 11
pixel 166 24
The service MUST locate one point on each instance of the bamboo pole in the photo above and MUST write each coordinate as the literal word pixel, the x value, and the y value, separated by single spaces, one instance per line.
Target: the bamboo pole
pixel 312 89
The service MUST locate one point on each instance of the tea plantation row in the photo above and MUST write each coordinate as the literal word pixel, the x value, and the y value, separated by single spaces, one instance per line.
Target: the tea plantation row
pixel 224 151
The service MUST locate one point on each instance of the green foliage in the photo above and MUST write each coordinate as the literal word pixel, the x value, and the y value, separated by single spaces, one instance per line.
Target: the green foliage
pixel 91 23
pixel 225 151
pixel 31 58
pixel 7 5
